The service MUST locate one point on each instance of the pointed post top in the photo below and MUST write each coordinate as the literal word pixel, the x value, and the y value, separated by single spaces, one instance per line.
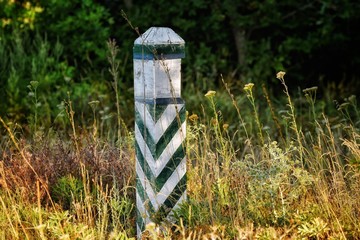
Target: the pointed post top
pixel 159 42
pixel 159 36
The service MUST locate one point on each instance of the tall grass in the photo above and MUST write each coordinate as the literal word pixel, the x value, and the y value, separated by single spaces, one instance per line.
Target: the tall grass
pixel 303 187
pixel 284 174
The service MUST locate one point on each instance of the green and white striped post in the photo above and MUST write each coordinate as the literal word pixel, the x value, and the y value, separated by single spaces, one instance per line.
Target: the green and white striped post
pixel 160 125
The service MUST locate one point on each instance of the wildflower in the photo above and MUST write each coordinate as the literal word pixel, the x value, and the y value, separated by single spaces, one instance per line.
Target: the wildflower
pixel 280 75
pixel 310 89
pixel 34 84
pixel 193 117
pixel 38 9
pixel 5 22
pixel 248 86
pixel 150 226
pixel 214 121
pixel 225 126
pixel 27 5
pixel 26 20
pixel 210 94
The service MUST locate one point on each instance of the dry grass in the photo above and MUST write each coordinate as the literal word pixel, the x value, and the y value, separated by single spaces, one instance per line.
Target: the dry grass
pixel 302 182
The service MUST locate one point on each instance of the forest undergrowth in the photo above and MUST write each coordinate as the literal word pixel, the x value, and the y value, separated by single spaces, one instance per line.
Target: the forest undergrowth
pixel 258 167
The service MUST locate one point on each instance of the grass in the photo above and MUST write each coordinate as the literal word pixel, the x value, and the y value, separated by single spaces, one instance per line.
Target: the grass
pixel 257 169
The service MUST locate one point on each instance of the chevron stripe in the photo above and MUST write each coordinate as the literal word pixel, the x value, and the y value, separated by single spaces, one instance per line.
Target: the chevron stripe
pixel 162 148
pixel 163 205
pixel 157 198
pixel 172 164
pixel 160 160
pixel 156 127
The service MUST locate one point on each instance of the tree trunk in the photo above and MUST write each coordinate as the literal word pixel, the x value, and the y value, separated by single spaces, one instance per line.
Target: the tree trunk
pixel 240 42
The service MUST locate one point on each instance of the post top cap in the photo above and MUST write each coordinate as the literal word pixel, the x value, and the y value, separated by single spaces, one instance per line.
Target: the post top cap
pixel 159 43
pixel 159 36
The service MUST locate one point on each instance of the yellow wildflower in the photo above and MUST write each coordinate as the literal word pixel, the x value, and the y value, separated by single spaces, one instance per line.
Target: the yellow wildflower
pixel 214 121
pixel 27 5
pixel 280 75
pixel 5 21
pixel 193 117
pixel 248 86
pixel 26 20
pixel 311 89
pixel 38 9
pixel 210 94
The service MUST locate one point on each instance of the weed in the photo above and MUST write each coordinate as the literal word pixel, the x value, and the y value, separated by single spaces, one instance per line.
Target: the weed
pixel 299 179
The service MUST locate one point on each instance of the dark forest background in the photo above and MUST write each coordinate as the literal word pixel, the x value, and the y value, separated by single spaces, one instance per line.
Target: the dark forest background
pixel 59 48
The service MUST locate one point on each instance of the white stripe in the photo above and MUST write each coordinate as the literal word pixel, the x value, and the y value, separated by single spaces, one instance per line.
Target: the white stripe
pixel 147 187
pixel 144 149
pixel 170 149
pixel 157 129
pixel 181 199
pixel 157 199
pixel 141 208
pixel 139 233
pixel 171 183
pixel 156 166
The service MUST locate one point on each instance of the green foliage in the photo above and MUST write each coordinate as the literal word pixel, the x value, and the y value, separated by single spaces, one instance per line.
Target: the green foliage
pixel 31 61
pixel 27 62
pixel 235 190
pixel 267 234
pixel 277 184
pixel 254 39
pixel 192 213
pixel 315 229
pixel 67 190
pixel 81 26
pixel 19 14
pixel 300 179
pixel 62 225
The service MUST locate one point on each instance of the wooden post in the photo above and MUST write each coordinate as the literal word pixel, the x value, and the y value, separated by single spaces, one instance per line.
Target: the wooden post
pixel 160 125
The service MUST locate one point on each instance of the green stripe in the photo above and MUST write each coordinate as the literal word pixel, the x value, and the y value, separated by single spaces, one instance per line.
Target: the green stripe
pixel 160 101
pixel 170 132
pixel 144 197
pixel 173 198
pixel 145 134
pixel 176 193
pixel 159 49
pixel 156 110
pixel 166 207
pixel 144 164
pixel 158 148
pixel 170 167
pixel 140 220
pixel 172 164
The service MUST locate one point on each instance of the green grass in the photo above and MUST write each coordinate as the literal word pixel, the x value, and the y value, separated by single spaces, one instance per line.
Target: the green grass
pixel 258 168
